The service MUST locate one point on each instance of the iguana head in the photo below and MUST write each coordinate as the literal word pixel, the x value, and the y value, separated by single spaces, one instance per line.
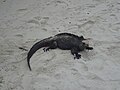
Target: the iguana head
pixel 82 38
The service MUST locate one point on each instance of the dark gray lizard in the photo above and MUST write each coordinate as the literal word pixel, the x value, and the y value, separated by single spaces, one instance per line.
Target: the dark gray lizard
pixel 64 41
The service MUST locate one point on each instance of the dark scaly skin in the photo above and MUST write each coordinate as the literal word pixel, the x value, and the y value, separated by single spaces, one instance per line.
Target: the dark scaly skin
pixel 64 41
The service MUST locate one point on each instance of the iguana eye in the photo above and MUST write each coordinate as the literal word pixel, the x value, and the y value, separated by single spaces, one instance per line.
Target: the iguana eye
pixel 81 37
pixel 83 43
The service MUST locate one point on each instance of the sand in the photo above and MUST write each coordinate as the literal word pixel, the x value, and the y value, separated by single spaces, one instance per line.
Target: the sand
pixel 24 22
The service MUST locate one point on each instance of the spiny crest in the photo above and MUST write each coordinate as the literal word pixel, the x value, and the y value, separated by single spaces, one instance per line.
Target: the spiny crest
pixel 69 34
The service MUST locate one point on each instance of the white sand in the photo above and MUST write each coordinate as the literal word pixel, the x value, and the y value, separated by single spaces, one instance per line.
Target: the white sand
pixel 24 22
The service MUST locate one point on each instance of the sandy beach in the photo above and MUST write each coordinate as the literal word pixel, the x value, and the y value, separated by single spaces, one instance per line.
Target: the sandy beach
pixel 24 22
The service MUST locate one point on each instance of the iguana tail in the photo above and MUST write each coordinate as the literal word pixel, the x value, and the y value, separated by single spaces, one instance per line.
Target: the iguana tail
pixel 43 43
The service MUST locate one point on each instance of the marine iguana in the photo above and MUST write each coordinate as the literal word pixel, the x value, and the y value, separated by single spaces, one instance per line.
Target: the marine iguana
pixel 64 41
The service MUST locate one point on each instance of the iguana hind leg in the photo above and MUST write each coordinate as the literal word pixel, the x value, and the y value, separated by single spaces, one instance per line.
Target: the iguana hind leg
pixel 52 46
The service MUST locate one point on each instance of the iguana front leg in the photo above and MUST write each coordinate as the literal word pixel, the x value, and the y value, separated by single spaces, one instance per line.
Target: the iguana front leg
pixel 74 52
